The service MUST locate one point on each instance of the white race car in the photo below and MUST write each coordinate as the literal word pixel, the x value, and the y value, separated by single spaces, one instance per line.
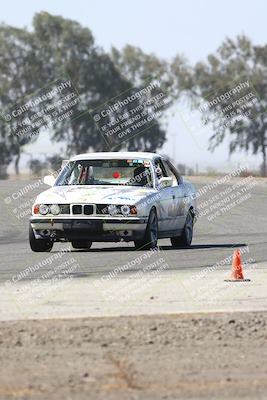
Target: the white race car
pixel 109 197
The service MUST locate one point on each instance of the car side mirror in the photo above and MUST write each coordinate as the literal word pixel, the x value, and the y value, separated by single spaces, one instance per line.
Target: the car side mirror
pixel 166 181
pixel 49 180
pixel 181 180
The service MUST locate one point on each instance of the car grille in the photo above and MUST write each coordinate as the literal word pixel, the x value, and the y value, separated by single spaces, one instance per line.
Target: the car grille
pixel 82 209
pixel 77 209
pixel 88 209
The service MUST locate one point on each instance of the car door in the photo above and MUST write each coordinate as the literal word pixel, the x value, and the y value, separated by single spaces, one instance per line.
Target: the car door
pixel 166 199
pixel 177 211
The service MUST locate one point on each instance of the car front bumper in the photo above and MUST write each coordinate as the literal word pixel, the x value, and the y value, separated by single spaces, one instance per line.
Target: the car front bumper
pixel 93 228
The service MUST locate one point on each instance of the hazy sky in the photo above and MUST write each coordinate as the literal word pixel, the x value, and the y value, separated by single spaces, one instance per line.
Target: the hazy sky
pixel 192 28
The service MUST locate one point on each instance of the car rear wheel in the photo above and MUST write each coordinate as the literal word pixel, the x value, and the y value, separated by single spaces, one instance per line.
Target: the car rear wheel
pixel 187 235
pixel 151 236
pixel 39 245
pixel 81 244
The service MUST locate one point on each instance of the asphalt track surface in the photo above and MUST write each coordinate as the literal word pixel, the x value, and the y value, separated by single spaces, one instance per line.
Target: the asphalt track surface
pixel 242 224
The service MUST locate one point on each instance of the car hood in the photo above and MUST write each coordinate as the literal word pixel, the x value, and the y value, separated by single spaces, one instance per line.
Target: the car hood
pixel 94 194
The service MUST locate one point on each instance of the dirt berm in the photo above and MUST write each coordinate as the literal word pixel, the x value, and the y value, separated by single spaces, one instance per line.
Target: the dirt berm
pixel 186 356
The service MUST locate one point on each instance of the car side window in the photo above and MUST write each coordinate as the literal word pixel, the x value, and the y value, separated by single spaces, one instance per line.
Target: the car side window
pixel 175 172
pixel 171 173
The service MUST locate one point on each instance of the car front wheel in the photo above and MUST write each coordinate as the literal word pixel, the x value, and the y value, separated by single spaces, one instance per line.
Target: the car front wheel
pixel 151 236
pixel 39 245
pixel 187 235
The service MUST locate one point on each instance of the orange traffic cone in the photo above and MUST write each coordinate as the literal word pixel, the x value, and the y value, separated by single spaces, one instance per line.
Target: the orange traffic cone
pixel 237 269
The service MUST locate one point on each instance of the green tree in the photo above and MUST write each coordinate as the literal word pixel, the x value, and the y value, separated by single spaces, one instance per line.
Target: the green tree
pixel 234 62
pixel 138 67
pixel 60 48
pixel 54 162
pixel 37 166
pixel 69 49
pixel 19 69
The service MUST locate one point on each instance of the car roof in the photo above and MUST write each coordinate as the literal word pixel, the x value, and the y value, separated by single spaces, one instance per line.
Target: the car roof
pixel 117 155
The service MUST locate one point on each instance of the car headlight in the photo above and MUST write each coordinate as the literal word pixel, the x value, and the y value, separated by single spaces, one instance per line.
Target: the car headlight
pixel 125 210
pixel 43 209
pixel 55 209
pixel 112 209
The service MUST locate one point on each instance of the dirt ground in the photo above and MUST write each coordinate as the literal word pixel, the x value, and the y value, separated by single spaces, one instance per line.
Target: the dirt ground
pixel 186 356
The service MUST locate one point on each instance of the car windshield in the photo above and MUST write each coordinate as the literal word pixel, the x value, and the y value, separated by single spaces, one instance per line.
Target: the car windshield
pixel 106 172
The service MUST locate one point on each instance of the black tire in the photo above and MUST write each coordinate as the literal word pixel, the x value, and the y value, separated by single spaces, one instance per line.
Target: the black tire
pixel 81 244
pixel 185 239
pixel 39 245
pixel 151 236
